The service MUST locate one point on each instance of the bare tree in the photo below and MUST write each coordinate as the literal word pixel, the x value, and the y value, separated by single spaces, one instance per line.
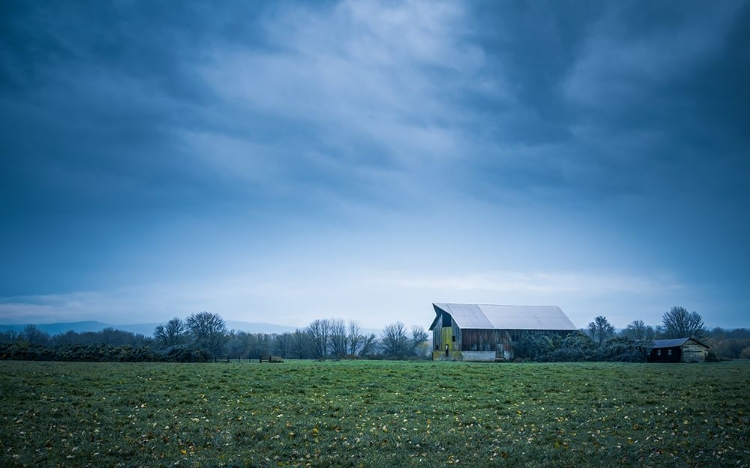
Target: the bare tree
pixel 300 344
pixel 258 344
pixel 396 343
pixel 208 331
pixel 339 338
pixel 282 345
pixel 419 338
pixel 35 335
pixel 679 323
pixel 175 330
pixel 355 337
pixel 600 329
pixel 369 343
pixel 171 334
pixel 319 332
pixel 234 345
pixel 418 335
pixel 243 344
pixel 9 336
pixel 636 330
pixel 160 335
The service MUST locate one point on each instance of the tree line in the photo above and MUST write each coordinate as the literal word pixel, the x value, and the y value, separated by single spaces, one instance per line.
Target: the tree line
pixel 109 336
pixel 676 323
pixel 601 342
pixel 204 336
pixel 321 339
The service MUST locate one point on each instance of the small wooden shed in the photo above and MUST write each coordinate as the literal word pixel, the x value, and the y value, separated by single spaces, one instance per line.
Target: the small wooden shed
pixel 678 350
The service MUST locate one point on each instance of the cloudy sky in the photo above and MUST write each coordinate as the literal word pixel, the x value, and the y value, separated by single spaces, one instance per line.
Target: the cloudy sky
pixel 286 161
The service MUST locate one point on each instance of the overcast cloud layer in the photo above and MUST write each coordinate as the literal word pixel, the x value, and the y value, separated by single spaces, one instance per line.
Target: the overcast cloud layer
pixel 286 161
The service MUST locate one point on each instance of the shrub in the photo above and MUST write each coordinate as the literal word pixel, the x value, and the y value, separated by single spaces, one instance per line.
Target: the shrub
pixel 534 346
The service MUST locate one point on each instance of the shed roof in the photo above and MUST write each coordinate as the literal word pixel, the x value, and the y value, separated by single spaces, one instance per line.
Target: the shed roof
pixel 674 342
pixel 505 317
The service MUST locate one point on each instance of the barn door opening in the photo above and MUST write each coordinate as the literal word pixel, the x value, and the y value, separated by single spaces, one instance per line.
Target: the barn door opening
pixel 504 347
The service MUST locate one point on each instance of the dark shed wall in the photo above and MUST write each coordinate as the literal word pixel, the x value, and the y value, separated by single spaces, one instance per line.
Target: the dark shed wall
pixel 673 354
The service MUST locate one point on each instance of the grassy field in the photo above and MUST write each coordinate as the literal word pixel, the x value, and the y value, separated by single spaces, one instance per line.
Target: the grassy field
pixel 374 414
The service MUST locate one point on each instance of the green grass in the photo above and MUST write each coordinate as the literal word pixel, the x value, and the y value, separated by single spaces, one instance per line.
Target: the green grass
pixel 374 414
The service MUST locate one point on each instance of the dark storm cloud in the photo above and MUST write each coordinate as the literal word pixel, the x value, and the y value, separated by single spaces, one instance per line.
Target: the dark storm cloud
pixel 111 125
pixel 93 97
pixel 662 85
pixel 104 101
pixel 88 99
pixel 619 98
pixel 141 140
pixel 96 97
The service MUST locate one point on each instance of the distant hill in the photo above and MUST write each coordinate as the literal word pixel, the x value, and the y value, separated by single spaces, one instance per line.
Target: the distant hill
pixel 57 328
pixel 250 327
pixel 259 327
pixel 146 329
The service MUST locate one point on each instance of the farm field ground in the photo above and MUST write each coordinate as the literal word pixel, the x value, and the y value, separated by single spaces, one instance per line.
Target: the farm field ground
pixel 374 413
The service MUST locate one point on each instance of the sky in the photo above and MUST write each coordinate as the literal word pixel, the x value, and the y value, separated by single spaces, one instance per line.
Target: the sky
pixel 286 161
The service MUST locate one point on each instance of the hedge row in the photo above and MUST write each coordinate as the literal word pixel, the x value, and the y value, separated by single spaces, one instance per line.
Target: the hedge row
pixel 100 353
pixel 579 347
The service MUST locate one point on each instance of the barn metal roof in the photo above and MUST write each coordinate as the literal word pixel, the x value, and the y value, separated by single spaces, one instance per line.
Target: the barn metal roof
pixel 505 317
pixel 674 342
pixel 670 343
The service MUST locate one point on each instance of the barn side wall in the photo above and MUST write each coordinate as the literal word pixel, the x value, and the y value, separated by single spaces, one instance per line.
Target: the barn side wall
pixel 479 340
pixel 499 341
pixel 476 344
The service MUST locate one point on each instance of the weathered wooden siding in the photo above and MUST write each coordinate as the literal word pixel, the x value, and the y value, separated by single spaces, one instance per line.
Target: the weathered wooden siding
pixel 496 341
pixel 693 352
pixel 479 340
pixel 446 335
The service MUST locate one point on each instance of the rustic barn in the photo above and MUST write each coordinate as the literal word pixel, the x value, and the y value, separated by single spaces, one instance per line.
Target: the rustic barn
pixel 678 350
pixel 483 332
